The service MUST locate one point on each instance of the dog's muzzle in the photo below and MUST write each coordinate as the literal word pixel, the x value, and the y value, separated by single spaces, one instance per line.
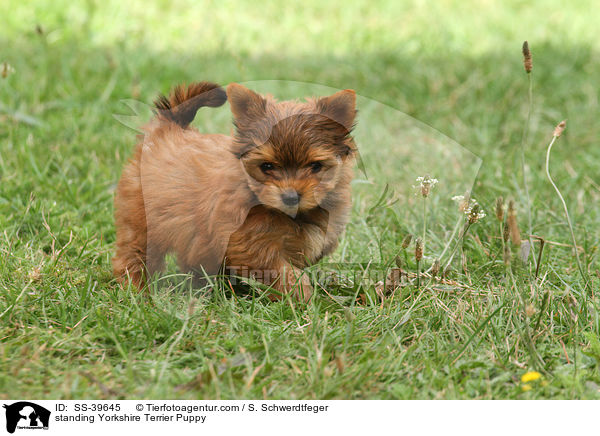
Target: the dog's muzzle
pixel 290 197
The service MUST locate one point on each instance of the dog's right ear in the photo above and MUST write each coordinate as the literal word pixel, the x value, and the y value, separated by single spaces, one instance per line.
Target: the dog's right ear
pixel 246 105
pixel 340 107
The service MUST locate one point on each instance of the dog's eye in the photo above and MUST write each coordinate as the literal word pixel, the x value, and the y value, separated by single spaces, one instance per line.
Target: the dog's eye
pixel 265 167
pixel 315 167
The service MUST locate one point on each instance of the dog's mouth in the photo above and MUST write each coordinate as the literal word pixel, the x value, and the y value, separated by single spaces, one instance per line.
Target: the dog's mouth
pixel 292 210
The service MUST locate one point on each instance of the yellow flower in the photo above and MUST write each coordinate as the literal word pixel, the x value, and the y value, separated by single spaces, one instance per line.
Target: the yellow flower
pixel 526 388
pixel 530 376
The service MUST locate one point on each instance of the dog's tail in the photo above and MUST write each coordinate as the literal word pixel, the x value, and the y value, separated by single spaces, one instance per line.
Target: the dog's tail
pixel 184 101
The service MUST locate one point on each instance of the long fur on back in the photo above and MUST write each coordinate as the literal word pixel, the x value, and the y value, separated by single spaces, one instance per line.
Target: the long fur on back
pixel 184 101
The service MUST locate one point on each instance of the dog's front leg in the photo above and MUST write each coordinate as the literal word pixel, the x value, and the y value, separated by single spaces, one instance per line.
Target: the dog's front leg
pixel 292 280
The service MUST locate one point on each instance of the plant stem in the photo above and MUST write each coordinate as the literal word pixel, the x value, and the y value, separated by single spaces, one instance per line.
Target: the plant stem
pixel 456 227
pixel 545 302
pixel 583 276
pixel 458 243
pixel 523 143
pixel 535 356
pixel 502 238
pixel 424 221
pixel 539 261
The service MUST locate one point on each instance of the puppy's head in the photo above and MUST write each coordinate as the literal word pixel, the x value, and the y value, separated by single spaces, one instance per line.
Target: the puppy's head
pixel 295 154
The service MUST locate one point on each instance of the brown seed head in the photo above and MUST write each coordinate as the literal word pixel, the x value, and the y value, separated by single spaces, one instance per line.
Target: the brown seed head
pixel 393 279
pixel 435 268
pixel 406 241
pixel 418 250
pixel 500 209
pixel 513 226
pixel 398 261
pixel 527 62
pixel 505 232
pixel 560 128
pixel 474 214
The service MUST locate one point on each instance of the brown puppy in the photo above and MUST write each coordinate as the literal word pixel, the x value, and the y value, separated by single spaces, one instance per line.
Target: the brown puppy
pixel 267 202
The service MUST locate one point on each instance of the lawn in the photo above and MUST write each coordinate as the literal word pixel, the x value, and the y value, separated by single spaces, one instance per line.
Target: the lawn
pixel 443 92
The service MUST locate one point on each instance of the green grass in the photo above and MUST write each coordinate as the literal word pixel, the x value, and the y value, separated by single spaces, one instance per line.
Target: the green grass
pixel 67 330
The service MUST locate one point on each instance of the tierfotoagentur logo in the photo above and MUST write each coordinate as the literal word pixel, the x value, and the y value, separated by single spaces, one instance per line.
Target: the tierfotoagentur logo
pixel 24 415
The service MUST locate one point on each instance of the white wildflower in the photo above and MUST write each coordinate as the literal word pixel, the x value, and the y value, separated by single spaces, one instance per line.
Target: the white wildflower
pixel 470 208
pixel 463 202
pixel 425 184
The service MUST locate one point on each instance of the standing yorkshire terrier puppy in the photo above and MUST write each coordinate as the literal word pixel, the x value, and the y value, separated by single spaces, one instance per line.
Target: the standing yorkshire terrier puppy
pixel 269 201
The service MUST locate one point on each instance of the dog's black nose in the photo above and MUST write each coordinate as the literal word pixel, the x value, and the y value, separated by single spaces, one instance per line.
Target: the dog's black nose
pixel 290 197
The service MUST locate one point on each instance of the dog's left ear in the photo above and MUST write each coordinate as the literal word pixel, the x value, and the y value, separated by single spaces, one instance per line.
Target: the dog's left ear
pixel 246 105
pixel 340 107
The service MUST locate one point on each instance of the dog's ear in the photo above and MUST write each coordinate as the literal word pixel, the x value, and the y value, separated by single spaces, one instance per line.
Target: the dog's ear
pixel 340 107
pixel 245 104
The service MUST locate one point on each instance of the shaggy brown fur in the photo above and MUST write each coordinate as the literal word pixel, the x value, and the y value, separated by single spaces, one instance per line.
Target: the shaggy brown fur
pixel 270 201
